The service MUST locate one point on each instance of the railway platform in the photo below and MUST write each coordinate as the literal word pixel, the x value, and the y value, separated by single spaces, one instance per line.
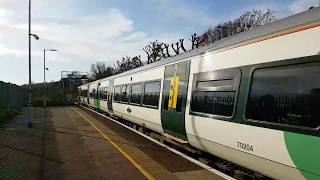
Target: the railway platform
pixel 75 143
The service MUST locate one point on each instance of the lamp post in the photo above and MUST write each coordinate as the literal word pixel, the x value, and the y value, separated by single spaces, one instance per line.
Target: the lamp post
pixel 30 95
pixel 44 76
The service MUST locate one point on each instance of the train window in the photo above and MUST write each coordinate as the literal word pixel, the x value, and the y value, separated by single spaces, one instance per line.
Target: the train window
pixel 110 95
pixel 136 93
pixel 287 95
pixel 117 93
pixel 125 93
pixel 151 93
pixel 103 94
pixel 95 94
pixel 92 93
pixel 84 93
pixel 218 103
pixel 214 93
pixel 215 83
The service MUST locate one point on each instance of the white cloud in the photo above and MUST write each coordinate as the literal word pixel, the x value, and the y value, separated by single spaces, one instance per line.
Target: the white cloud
pixel 4 51
pixel 4 12
pixel 133 37
pixel 81 40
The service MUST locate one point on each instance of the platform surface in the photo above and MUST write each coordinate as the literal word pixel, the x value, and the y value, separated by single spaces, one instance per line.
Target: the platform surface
pixel 74 143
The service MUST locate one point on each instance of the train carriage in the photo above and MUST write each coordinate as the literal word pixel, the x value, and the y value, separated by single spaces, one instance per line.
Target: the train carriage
pixel 93 99
pixel 252 98
pixel 83 94
pixel 104 95
pixel 137 98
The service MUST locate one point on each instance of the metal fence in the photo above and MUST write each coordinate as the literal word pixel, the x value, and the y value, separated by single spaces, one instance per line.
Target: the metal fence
pixel 12 96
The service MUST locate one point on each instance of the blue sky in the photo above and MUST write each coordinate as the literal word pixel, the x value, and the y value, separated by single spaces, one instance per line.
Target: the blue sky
pixel 105 30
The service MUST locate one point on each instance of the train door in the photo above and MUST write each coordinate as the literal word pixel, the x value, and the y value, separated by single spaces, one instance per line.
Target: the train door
pixel 174 97
pixel 79 94
pixel 88 95
pixel 97 96
pixel 110 95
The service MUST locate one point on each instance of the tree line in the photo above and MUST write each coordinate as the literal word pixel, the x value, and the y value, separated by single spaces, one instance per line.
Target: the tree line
pixel 158 50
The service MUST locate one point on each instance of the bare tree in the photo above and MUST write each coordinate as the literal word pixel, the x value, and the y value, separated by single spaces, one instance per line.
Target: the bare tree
pixel 176 47
pixel 166 54
pixel 155 51
pixel 127 63
pixel 198 40
pixel 136 62
pixel 247 21
pixel 100 70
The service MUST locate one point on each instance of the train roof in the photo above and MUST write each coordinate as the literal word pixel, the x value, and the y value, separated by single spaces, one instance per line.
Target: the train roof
pixel 295 21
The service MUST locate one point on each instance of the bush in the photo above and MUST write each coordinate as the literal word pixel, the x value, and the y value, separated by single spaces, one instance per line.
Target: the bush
pixel 6 114
pixel 38 102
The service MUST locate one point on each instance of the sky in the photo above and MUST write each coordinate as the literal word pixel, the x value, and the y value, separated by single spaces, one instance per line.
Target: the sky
pixel 85 32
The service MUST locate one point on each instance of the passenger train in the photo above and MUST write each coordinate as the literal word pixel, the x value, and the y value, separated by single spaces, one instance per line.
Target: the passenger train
pixel 252 99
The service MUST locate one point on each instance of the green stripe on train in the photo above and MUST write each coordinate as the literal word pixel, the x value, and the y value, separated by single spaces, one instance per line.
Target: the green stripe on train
pixel 97 103
pixel 304 152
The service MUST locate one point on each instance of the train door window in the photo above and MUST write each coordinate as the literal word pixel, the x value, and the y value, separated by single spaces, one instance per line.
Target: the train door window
pixel 288 95
pixel 109 94
pixel 103 93
pixel 136 93
pixel 92 94
pixel 214 93
pixel 117 93
pixel 95 94
pixel 83 93
pixel 151 93
pixel 125 93
pixel 168 85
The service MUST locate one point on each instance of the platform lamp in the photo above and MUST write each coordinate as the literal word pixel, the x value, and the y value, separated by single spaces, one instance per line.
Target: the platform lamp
pixel 44 75
pixel 30 95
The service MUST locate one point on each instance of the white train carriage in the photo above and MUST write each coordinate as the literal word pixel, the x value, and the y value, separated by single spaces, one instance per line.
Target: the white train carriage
pixel 83 94
pixel 252 99
pixel 105 95
pixel 137 98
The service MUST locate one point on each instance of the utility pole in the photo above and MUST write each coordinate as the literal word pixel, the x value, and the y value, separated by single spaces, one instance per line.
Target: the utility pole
pixel 44 79
pixel 30 94
pixel 44 76
pixel 30 100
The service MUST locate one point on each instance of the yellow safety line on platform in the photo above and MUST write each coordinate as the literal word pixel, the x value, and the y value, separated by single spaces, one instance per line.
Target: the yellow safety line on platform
pixel 141 169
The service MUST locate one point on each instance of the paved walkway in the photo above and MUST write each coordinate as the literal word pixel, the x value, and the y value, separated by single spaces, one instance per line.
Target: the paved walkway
pixel 73 143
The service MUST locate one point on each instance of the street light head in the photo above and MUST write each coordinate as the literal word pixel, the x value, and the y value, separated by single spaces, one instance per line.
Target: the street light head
pixel 50 50
pixel 47 69
pixel 35 36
